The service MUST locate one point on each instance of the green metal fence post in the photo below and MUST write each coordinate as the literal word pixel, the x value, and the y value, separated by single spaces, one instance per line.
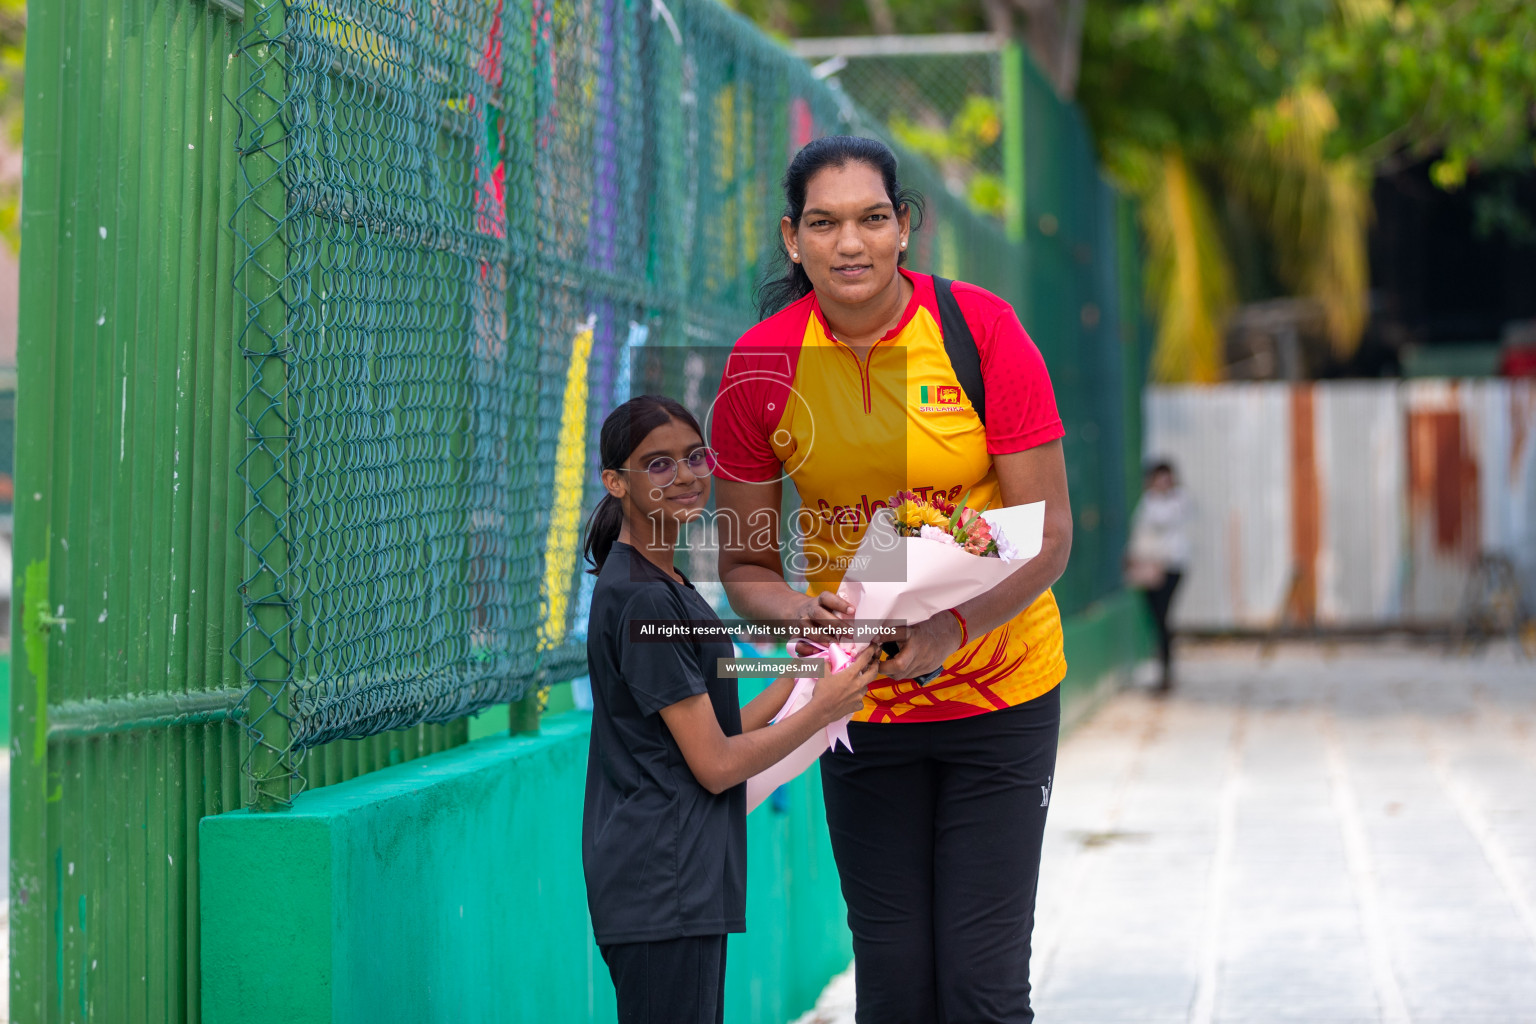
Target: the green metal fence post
pixel 42 213
pixel 268 650
pixel 1132 328
pixel 1013 139
pixel 524 716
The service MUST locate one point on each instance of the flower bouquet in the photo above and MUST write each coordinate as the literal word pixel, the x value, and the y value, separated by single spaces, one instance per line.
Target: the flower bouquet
pixel 917 558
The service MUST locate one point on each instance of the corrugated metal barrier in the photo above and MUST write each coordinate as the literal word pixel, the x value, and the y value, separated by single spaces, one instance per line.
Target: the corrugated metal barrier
pixel 1351 504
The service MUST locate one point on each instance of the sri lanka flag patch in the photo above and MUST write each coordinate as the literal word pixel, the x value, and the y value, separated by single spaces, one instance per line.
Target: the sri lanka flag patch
pixel 939 397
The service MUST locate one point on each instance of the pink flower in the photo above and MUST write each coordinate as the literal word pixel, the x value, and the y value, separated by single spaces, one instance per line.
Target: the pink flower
pixel 978 537
pixel 977 545
pixel 940 535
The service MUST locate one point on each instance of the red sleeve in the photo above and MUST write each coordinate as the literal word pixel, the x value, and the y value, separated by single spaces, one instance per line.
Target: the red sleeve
pixel 755 388
pixel 1021 404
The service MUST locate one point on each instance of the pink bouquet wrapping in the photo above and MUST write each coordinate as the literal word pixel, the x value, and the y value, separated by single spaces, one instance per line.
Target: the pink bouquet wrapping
pixel 914 561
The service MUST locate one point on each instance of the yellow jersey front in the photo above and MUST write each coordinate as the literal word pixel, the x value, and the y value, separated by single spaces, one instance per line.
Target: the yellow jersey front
pixel 849 432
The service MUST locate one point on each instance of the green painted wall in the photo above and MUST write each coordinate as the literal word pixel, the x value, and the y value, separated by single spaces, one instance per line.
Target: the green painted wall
pixel 450 888
pixel 1103 642
pixel 440 889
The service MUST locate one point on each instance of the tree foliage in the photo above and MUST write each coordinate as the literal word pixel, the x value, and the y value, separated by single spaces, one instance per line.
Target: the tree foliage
pixel 1234 120
pixel 956 147
pixel 1188 274
pixel 1187 74
pixel 1415 78
pixel 1205 110
pixel 1286 110
pixel 1455 79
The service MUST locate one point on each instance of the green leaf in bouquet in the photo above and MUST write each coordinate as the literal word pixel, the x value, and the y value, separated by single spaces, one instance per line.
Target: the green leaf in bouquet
pixel 954 519
pixel 965 531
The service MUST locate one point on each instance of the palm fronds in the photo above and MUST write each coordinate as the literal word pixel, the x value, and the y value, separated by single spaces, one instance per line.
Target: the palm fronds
pixel 1317 207
pixel 1188 271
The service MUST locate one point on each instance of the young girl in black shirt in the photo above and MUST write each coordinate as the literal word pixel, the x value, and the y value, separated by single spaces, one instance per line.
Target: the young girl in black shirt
pixel 664 825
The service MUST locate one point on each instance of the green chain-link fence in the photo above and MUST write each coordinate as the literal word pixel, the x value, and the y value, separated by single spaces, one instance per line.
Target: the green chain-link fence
pixel 456 230
pixel 941 96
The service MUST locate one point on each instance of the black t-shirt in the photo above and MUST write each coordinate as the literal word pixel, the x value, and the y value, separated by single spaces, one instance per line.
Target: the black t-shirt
pixel 664 857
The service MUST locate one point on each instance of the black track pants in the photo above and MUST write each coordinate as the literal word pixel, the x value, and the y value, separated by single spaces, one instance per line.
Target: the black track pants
pixel 678 981
pixel 1158 603
pixel 936 827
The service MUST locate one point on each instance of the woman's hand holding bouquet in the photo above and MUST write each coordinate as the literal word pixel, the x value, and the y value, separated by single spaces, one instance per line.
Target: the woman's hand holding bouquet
pixel 823 609
pixel 919 557
pixel 921 648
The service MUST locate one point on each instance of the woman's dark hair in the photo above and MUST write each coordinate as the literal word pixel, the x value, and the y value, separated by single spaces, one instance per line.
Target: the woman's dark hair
pixel 623 431
pixel 787 280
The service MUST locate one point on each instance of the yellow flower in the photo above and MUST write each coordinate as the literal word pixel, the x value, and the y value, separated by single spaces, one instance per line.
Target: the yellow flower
pixel 912 515
pixel 930 516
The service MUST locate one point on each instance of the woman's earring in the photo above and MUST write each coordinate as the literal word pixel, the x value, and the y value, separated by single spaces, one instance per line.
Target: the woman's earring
pixel 794 255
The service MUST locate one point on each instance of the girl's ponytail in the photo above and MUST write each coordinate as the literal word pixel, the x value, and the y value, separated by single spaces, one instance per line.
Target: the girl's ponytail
pixel 602 530
pixel 625 429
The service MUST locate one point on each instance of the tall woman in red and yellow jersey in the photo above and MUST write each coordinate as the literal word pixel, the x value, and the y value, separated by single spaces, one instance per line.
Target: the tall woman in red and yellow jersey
pixel 936 816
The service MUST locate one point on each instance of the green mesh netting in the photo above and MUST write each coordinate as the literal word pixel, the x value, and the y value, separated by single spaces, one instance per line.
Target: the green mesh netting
pixel 461 220
pixel 948 106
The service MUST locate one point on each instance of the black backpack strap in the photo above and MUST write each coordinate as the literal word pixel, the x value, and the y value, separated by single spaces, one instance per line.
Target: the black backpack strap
pixel 960 344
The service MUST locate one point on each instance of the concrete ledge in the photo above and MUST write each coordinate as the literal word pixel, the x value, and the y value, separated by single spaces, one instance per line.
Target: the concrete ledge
pixel 447 888
pixel 1104 642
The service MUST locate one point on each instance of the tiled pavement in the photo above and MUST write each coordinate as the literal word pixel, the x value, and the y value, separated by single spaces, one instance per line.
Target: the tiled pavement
pixel 1331 833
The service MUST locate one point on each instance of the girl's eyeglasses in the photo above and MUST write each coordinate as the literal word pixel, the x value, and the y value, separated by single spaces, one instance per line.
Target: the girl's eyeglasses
pixel 663 469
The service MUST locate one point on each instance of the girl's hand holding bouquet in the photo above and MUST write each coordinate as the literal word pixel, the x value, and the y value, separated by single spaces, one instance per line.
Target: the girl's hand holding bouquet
pixel 840 693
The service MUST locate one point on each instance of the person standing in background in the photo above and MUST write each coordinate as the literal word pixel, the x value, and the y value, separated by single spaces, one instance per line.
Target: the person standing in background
pixel 1158 554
